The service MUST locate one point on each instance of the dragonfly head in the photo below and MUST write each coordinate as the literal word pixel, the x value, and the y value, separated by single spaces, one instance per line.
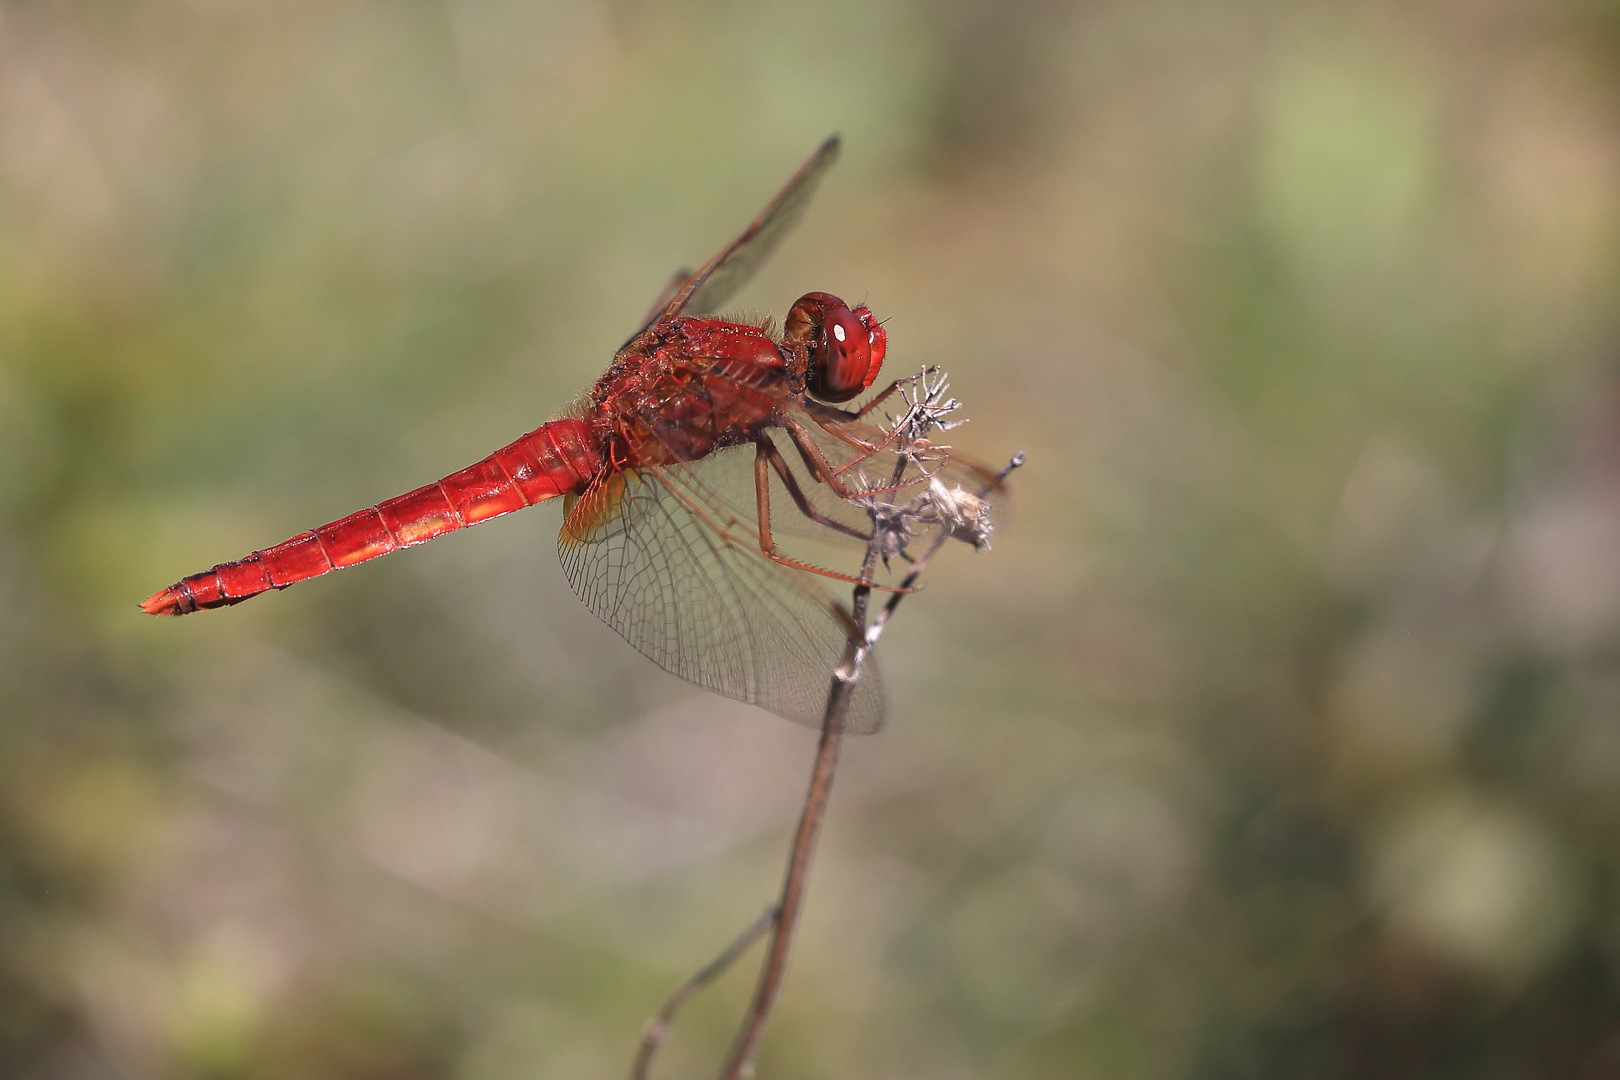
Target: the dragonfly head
pixel 842 349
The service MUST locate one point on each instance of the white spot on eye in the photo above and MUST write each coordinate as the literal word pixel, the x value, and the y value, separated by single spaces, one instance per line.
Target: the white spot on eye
pixel 838 332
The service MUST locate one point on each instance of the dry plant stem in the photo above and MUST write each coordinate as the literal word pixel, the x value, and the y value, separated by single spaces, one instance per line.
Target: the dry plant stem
pixel 791 903
pixel 815 805
pixel 945 510
pixel 657 1029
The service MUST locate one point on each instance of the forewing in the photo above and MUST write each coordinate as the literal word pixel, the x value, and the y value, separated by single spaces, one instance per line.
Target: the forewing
pixel 719 280
pixel 665 562
pixel 674 285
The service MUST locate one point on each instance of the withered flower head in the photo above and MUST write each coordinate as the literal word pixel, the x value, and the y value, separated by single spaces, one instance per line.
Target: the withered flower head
pixel 898 509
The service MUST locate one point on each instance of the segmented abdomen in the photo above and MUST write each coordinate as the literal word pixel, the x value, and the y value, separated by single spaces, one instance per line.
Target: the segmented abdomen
pixel 558 458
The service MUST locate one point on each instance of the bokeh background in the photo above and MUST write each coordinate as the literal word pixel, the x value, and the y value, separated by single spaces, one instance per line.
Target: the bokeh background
pixel 1278 736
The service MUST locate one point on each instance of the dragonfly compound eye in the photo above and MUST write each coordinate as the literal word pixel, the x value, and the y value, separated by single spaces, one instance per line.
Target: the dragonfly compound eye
pixel 845 348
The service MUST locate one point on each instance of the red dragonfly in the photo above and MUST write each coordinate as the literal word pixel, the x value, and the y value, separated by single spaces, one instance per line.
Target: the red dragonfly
pixel 670 466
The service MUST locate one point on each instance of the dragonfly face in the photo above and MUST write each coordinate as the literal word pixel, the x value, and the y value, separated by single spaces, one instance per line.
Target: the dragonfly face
pixel 842 349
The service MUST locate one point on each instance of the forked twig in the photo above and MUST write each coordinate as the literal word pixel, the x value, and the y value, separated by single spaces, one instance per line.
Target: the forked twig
pixel 657 1029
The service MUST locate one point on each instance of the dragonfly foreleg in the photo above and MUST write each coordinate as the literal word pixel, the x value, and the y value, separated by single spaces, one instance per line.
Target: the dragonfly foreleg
pixel 831 421
pixel 832 412
pixel 824 472
pixel 888 392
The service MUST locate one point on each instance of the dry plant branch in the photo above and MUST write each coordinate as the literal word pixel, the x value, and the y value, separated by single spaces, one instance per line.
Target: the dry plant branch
pixel 804 839
pixel 957 515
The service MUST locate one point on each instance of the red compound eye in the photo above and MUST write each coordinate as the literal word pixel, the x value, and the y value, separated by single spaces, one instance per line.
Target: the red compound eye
pixel 845 348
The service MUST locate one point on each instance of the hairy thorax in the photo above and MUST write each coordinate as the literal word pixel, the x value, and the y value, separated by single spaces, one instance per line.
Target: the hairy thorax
pixel 684 389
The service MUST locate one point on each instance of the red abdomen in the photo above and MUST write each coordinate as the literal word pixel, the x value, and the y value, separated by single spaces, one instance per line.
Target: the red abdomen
pixel 558 458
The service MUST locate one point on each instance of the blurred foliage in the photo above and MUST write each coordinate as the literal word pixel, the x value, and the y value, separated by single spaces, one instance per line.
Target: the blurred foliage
pixel 1279 736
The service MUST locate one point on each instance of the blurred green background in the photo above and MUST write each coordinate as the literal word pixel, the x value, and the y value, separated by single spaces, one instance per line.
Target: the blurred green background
pixel 1279 736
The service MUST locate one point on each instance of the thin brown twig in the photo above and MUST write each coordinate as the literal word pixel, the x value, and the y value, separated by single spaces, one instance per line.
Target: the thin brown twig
pixel 804 840
pixel 657 1029
pixel 946 510
pixel 860 643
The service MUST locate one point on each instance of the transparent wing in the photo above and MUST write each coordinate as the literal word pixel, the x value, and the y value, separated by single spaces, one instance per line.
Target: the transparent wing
pixel 729 478
pixel 677 571
pixel 674 285
pixel 711 287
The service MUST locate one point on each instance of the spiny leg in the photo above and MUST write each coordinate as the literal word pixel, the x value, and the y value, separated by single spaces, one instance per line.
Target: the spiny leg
pixel 766 449
pixel 832 421
pixel 887 393
pixel 828 417
pixel 823 471
pixel 833 412
pixel 766 455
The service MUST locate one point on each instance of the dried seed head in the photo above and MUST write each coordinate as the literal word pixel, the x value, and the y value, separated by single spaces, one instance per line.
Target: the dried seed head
pixel 964 515
pixel 914 497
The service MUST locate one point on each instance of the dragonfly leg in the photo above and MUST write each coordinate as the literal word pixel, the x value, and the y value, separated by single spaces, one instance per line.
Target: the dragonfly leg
pixel 823 471
pixel 766 451
pixel 765 456
pixel 833 412
pixel 887 393
pixel 831 420
pixel 868 451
